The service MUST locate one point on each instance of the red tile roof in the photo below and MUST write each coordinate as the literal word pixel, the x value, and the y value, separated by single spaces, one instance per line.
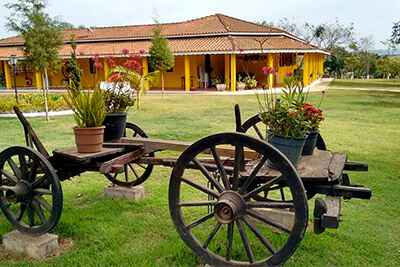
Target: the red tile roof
pixel 215 33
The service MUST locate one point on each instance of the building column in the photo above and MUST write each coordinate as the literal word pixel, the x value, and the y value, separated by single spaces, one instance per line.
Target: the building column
pixel 305 69
pixel 106 69
pixel 145 71
pixel 233 72
pixel 270 63
pixel 187 73
pixel 227 70
pixel 7 74
pixel 38 78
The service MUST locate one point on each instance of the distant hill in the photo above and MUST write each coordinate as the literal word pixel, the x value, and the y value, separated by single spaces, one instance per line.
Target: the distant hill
pixel 384 52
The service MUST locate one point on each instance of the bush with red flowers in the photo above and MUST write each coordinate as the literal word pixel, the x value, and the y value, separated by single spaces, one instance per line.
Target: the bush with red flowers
pixel 313 116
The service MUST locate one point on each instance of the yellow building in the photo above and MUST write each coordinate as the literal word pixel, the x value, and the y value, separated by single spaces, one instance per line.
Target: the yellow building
pixel 203 48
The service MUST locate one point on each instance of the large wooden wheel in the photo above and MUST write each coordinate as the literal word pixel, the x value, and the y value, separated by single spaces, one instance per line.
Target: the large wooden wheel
pixel 30 191
pixel 214 207
pixel 134 173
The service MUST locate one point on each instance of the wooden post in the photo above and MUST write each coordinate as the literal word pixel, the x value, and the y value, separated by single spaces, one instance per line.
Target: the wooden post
pixel 233 72
pixel 187 73
pixel 7 74
pixel 145 65
pixel 227 70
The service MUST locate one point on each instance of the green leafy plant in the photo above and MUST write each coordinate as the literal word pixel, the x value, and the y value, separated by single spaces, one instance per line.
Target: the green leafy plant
pixel 219 79
pixel 251 82
pixel 88 106
pixel 118 99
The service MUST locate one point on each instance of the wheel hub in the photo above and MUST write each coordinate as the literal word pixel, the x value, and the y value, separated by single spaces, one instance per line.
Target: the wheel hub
pixel 21 191
pixel 230 206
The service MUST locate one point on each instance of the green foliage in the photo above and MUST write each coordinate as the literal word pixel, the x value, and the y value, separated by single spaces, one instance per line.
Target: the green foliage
pixel 88 106
pixel 219 79
pixel 396 32
pixel 42 38
pixel 251 82
pixel 161 57
pixel 32 103
pixel 76 72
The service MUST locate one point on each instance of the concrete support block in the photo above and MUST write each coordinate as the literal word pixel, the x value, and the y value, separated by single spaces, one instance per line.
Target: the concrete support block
pixel 37 247
pixel 119 192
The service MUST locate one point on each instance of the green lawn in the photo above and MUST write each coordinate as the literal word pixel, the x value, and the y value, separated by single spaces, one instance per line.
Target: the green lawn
pixel 377 84
pixel 104 232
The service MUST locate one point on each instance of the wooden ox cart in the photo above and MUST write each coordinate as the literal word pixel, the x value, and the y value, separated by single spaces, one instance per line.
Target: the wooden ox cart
pixel 226 202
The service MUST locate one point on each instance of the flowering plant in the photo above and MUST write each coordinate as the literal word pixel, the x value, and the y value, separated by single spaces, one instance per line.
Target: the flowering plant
pixel 313 116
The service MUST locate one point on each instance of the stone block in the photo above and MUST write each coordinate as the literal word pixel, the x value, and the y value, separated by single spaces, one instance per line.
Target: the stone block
pixel 129 193
pixel 37 247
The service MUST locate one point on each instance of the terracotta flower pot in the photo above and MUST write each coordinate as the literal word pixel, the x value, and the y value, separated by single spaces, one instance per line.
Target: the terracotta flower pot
pixel 89 140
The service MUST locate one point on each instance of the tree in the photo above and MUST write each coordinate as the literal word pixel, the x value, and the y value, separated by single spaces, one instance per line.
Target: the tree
pixel 76 72
pixel 42 38
pixel 161 57
pixel 396 32
pixel 365 46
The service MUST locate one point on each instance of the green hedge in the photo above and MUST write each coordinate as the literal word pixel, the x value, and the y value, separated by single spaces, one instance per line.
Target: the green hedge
pixel 31 103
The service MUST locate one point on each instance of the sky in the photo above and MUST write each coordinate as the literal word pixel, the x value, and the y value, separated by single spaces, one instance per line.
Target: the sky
pixel 370 17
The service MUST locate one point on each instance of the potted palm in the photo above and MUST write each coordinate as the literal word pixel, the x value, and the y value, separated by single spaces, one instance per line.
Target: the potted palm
pixel 240 84
pixel 89 112
pixel 285 119
pixel 219 82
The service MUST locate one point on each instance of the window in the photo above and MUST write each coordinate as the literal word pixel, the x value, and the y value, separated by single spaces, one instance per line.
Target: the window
pixel 287 59
pixel 21 70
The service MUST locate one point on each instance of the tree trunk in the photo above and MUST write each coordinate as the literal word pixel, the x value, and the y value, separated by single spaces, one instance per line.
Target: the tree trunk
pixel 45 93
pixel 162 85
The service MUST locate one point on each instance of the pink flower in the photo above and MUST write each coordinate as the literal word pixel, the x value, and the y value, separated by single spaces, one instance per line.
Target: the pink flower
pixel 81 53
pixel 141 51
pixel 268 70
pixel 289 74
pixel 135 56
pixel 112 65
pixel 98 65
pixel 125 51
pixel 240 49
pixel 114 77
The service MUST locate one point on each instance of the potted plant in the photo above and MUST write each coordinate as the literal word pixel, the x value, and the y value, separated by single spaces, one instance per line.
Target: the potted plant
pixel 251 82
pixel 240 84
pixel 285 119
pixel 314 117
pixel 118 98
pixel 219 82
pixel 89 112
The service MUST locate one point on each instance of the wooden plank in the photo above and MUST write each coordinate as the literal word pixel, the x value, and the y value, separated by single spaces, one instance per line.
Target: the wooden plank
pixel 152 145
pixel 331 218
pixel 84 158
pixel 106 167
pixel 336 165
pixel 315 166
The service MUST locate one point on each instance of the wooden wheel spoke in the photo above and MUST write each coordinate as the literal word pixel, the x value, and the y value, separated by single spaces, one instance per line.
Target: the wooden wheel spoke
pixel 37 182
pixel 21 211
pixel 23 166
pixel 141 165
pixel 261 218
pixel 201 220
pixel 211 179
pixel 263 187
pixel 42 202
pixel 198 203
pixel 229 241
pixel 14 167
pixel 204 189
pixel 135 134
pixel 253 175
pixel 134 171
pixel 5 187
pixel 260 135
pixel 31 215
pixel 245 240
pixel 236 166
pixel 126 173
pixel 221 168
pixel 38 210
pixel 274 205
pixel 9 176
pixel 259 235
pixel 32 173
pixel 212 234
pixel 42 191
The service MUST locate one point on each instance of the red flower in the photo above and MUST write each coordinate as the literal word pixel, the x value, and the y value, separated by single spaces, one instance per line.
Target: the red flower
pixel 114 77
pixel 240 49
pixel 289 74
pixel 81 53
pixel 141 51
pixel 125 51
pixel 98 65
pixel 268 70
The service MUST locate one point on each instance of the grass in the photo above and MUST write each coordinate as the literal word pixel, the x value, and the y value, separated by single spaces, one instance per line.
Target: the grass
pixel 377 84
pixel 105 232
